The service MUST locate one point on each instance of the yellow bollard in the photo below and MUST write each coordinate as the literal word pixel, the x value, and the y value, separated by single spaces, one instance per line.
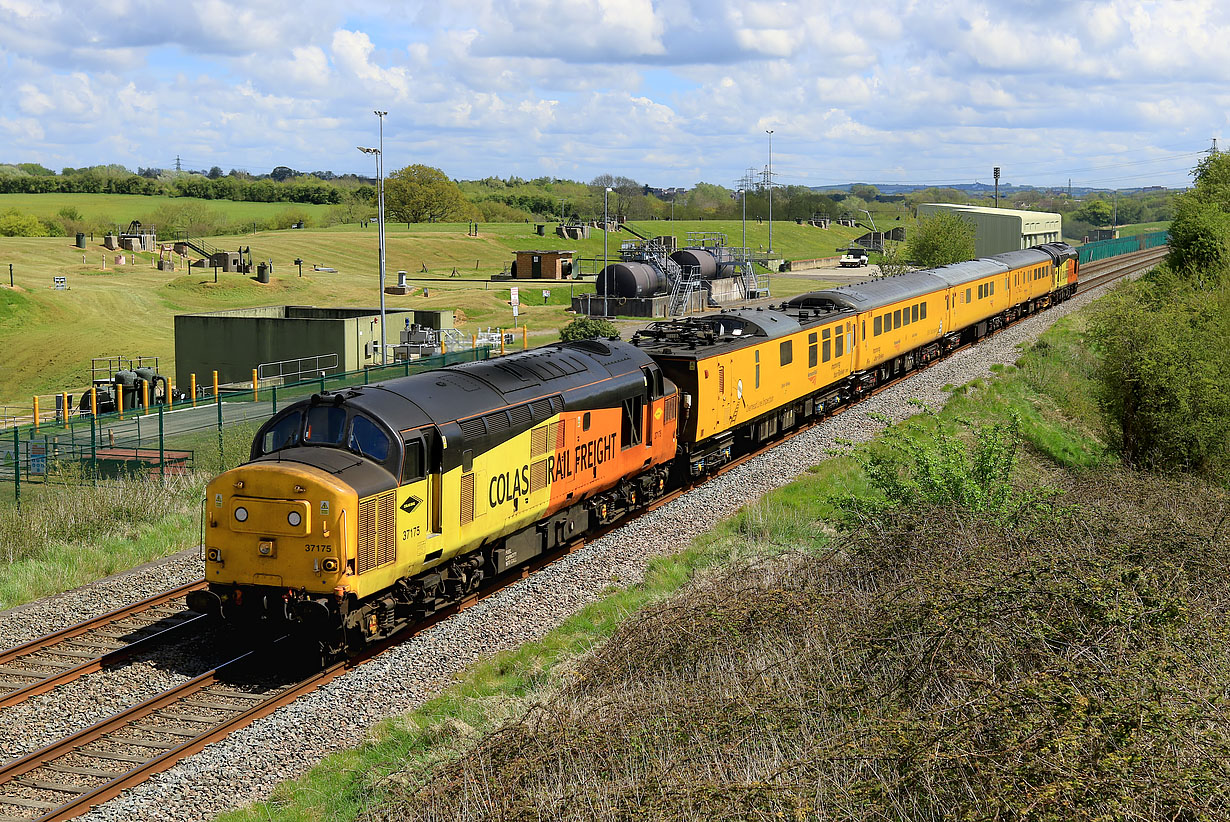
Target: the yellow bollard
pixel 501 342
pixel 254 397
pixel 473 341
pixel 193 383
pixel 93 402
pixel 525 337
pixel 443 347
pixel 64 405
pixel 145 396
pixel 216 397
pixel 119 399
pixel 169 399
pixel 36 412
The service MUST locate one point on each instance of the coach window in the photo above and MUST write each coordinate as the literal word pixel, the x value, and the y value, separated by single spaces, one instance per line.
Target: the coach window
pixel 787 352
pixel 922 311
pixel 811 350
pixel 826 353
pixel 969 295
pixel 897 318
pixel 905 315
pixel 839 342
pixel 914 311
pixel 992 286
pixel 875 326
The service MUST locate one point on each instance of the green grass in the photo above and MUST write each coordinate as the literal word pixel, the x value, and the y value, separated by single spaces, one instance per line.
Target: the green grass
pixel 50 336
pixel 1143 228
pixel 1050 391
pixel 121 209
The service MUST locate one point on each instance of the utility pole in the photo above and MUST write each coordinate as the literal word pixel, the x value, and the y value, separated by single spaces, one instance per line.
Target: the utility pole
pixel 769 180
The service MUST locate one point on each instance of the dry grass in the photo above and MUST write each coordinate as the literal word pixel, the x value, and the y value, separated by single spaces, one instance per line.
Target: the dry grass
pixel 1072 666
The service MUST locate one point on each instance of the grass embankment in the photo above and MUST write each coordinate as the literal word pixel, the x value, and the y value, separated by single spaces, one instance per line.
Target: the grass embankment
pixel 50 336
pixel 69 532
pixel 121 209
pixel 1051 657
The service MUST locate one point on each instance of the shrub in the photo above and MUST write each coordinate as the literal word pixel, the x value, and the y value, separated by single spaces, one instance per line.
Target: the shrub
pixel 587 328
pixel 13 223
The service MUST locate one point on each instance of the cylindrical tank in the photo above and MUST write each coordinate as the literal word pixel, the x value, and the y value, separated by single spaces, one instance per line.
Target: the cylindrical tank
pixel 688 258
pixel 80 239
pixel 262 273
pixel 630 280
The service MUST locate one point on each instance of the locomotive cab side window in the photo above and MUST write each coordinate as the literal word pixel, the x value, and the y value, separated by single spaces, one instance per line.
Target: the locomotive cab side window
pixel 412 469
pixel 633 422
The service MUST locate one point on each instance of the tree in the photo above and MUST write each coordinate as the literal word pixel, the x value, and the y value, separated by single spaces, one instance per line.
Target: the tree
pixel 891 262
pixel 13 223
pixel 864 191
pixel 940 239
pixel 1095 212
pixel 214 173
pixel 420 193
pixel 282 173
pixel 587 328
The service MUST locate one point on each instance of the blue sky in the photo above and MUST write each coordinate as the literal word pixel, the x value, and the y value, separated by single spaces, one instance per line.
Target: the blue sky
pixel 669 92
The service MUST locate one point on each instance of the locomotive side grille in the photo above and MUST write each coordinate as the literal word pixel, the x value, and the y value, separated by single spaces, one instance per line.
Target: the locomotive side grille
pixel 467 498
pixel 538 476
pixel 377 544
pixel 541 409
pixel 556 437
pixel 520 415
pixel 386 529
pixel 672 408
pixel 473 428
pixel 538 441
pixel 721 379
pixel 497 422
pixel 366 559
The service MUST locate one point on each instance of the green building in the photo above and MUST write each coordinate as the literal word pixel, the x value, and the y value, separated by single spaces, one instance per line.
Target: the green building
pixel 997 230
pixel 285 342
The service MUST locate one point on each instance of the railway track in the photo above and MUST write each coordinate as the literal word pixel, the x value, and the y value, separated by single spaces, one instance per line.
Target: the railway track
pixel 65 779
pixel 1101 272
pixel 60 657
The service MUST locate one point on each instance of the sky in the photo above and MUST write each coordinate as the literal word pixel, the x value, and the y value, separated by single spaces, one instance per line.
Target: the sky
pixel 1110 94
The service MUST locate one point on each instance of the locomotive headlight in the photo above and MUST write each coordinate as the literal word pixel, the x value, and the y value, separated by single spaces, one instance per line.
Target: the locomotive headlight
pixel 330 565
pixel 294 518
pixel 241 514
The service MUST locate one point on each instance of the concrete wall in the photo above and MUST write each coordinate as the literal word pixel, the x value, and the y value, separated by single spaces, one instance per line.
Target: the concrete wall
pixel 997 230
pixel 235 342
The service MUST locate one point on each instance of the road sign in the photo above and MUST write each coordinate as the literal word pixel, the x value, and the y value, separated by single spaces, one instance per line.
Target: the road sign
pixel 516 299
pixel 61 283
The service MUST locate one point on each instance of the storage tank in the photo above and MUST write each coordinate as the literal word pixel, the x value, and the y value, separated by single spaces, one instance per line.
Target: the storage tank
pixel 689 258
pixel 629 279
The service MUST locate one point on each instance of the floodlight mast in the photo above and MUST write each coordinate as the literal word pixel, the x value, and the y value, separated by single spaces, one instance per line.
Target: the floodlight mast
pixel 606 228
pixel 770 182
pixel 379 153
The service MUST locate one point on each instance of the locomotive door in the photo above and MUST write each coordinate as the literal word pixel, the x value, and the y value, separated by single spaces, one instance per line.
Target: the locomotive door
pixel 413 498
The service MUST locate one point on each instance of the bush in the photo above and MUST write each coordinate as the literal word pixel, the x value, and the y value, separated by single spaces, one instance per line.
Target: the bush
pixel 1164 382
pixel 13 223
pixel 587 328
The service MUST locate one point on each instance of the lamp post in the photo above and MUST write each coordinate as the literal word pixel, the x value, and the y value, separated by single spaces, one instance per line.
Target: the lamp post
pixel 743 197
pixel 379 152
pixel 606 296
pixel 770 182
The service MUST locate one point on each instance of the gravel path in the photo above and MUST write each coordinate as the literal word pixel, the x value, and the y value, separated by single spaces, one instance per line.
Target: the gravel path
pixel 246 766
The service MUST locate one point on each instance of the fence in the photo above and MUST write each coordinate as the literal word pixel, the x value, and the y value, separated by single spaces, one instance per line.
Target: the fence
pixel 1102 249
pixel 210 433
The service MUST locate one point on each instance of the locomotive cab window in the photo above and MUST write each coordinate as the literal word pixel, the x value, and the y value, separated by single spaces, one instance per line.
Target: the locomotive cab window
pixel 633 422
pixel 368 440
pixel 325 425
pixel 412 469
pixel 283 433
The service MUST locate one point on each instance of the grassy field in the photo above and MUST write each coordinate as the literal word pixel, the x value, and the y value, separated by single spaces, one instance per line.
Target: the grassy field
pixel 121 209
pixel 1143 228
pixel 50 336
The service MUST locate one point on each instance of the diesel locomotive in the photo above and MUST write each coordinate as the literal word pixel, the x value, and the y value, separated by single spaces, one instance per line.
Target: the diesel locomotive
pixel 364 509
